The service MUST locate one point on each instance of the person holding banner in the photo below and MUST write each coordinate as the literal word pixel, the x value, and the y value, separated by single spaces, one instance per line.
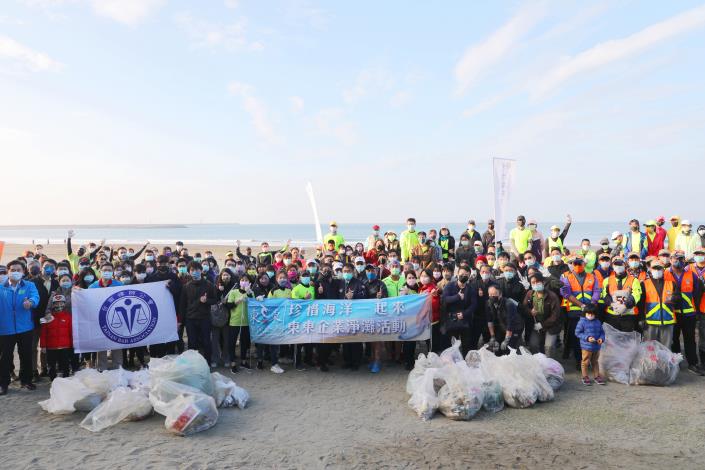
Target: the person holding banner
pixel 351 288
pixel 236 301
pixel 375 288
pixel 17 299
pixel 106 280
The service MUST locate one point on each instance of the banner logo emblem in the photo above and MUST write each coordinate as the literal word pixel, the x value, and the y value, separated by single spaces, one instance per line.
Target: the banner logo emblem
pixel 128 317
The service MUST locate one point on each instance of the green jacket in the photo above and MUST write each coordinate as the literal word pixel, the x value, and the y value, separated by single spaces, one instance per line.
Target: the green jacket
pixel 393 286
pixel 407 241
pixel 337 238
pixel 279 293
pixel 590 258
pixel 299 291
pixel 238 314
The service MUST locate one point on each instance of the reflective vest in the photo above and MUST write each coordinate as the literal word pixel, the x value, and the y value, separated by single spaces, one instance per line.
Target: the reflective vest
pixel 612 287
pixel 582 293
pixel 657 310
pixel 700 274
pixel 555 243
pixel 444 246
pixel 687 286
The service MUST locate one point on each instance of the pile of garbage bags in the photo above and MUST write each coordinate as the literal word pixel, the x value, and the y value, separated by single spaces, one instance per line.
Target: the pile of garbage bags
pixel 459 388
pixel 625 359
pixel 181 388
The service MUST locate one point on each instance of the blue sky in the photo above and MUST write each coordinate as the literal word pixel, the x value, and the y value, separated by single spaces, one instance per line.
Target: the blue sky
pixel 127 111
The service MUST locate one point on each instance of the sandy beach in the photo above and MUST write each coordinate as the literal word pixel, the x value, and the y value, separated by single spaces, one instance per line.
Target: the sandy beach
pixel 357 420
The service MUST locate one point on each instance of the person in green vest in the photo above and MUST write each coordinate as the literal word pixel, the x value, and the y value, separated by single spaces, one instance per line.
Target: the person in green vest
pixel 588 255
pixel 334 235
pixel 304 290
pixel 520 237
pixel 280 290
pixel 239 325
pixel 557 238
pixel 408 239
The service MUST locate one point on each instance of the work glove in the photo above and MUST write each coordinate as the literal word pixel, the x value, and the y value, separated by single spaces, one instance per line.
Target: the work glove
pixel 492 344
pixel 260 298
pixel 538 326
pixel 524 282
pixel 544 271
pixel 505 344
pixel 619 308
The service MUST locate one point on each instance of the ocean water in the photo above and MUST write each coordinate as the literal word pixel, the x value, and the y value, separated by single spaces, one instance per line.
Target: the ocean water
pixel 275 234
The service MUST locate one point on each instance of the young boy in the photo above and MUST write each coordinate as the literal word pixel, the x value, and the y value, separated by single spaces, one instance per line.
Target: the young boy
pixel 56 336
pixel 591 335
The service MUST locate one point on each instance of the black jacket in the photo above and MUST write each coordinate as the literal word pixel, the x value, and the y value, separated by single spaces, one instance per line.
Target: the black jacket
pixel 465 254
pixel 452 303
pixel 354 285
pixel 373 287
pixel 505 316
pixel 512 289
pixel 190 306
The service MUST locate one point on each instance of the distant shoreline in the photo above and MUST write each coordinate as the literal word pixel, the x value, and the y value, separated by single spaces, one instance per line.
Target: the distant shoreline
pixel 92 226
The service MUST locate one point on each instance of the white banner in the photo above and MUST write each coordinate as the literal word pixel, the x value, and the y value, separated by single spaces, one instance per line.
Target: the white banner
pixel 122 317
pixel 503 185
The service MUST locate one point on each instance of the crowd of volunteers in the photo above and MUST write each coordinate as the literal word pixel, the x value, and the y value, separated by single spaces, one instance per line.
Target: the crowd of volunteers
pixel 532 290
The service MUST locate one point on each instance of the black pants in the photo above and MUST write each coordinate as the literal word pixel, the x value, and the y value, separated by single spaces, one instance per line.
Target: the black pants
pixel 304 353
pixel 199 336
pixel 7 354
pixel 408 350
pixel 685 325
pixel 128 356
pixel 572 341
pixel 244 333
pixel 352 354
pixel 626 323
pixel 58 361
pixel 439 341
pixel 324 351
pixel 180 346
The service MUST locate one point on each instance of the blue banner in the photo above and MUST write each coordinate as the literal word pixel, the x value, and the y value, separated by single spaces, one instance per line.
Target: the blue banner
pixel 287 321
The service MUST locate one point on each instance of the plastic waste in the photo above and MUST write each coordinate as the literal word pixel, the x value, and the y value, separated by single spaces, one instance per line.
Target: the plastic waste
pixel 493 398
pixel 67 395
pixel 187 409
pixel 617 353
pixel 422 363
pixel 462 395
pixel 188 368
pixel 654 364
pixel 122 404
pixel 552 370
pixel 424 399
pixel 452 354
pixel 227 394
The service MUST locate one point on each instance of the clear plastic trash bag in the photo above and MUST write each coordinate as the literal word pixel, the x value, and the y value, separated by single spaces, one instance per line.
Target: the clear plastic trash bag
pixel 655 364
pixel 531 368
pixel 552 370
pixel 187 409
pixel 462 395
pixel 617 353
pixel 493 398
pixel 452 354
pixel 422 363
pixel 188 368
pixel 227 394
pixel 122 404
pixel 67 395
pixel 517 390
pixel 424 399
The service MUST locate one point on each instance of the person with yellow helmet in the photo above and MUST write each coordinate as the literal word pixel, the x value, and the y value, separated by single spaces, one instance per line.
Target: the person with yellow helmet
pixel 334 235
pixel 557 237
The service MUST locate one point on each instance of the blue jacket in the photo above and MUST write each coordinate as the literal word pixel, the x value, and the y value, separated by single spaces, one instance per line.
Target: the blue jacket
pixel 14 318
pixel 587 328
pixel 628 246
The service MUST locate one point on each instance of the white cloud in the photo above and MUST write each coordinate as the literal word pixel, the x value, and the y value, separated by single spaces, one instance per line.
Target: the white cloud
pixel 297 103
pixel 206 34
pixel 332 122
pixel 232 3
pixel 129 12
pixel 34 60
pixel 255 108
pixel 479 58
pixel 399 99
pixel 368 81
pixel 611 51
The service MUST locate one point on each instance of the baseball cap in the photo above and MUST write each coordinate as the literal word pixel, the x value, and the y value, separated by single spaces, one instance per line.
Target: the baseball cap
pixel 532 222
pixel 650 222
pixel 229 253
pixel 333 224
pixel 375 227
pixel 663 252
pixel 699 250
pixel 604 256
pixel 675 217
pixel 686 222
pixel 490 222
pixel 311 261
pixel 615 234
pixel 656 264
pixel 360 259
pixel 555 227
pixel 660 218
pixel 633 254
pixel 604 241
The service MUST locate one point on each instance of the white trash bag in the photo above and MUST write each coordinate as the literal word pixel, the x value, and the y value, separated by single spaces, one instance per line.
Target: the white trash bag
pixel 617 353
pixel 530 367
pixel 462 395
pixel 552 370
pixel 493 398
pixel 67 395
pixel 227 394
pixel 655 364
pixel 187 409
pixel 122 404
pixel 424 400
pixel 188 368
pixel 422 363
pixel 452 354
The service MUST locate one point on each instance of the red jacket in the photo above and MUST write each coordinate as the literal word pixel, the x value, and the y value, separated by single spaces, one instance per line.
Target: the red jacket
pixel 655 245
pixel 57 334
pixel 435 301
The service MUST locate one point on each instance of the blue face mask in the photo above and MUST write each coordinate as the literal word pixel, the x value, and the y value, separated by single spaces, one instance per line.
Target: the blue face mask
pixel 107 275
pixel 48 270
pixel 89 278
pixel 347 276
pixel 206 268
pixel 359 267
pixel 196 275
pixel 66 285
pixel 16 276
pixel 305 280
pixel 537 287
pixel 313 269
pixel 508 275
pixel 371 276
pixel 270 274
pixel 282 283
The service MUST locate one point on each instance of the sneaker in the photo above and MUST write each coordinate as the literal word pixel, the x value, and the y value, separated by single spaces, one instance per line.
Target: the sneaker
pixel 233 364
pixel 30 387
pixel 14 377
pixel 300 367
pixel 600 381
pixel 376 366
pixel 213 365
pixel 260 365
pixel 3 391
pixel 276 369
pixel 234 370
pixel 587 381
pixel 695 370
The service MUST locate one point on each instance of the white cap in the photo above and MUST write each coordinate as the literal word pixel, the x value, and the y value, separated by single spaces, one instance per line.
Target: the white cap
pixel 360 259
pixel 311 261
pixel 337 265
pixel 686 222
pixel 615 235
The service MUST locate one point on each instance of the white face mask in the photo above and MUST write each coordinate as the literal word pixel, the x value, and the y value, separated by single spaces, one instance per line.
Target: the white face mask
pixel 605 264
pixel 556 258
pixel 586 247
pixel 619 269
pixel 657 273
pixel 471 228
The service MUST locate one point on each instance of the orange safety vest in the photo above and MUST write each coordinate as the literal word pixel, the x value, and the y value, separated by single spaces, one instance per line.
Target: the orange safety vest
pixel 612 288
pixel 687 286
pixel 657 310
pixel 582 293
pixel 699 274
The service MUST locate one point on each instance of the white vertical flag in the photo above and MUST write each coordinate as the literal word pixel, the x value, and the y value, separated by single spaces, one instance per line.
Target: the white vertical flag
pixel 503 184
pixel 319 233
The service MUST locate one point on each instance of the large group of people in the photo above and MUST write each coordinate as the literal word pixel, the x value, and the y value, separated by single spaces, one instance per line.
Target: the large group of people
pixel 533 290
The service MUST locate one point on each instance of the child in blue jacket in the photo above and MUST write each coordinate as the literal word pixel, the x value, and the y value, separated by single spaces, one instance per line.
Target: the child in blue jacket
pixel 591 335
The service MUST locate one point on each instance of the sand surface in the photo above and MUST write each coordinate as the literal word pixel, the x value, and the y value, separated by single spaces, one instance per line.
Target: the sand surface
pixel 345 419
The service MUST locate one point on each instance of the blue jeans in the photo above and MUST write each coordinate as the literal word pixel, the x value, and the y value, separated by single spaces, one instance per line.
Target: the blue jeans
pixel 199 336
